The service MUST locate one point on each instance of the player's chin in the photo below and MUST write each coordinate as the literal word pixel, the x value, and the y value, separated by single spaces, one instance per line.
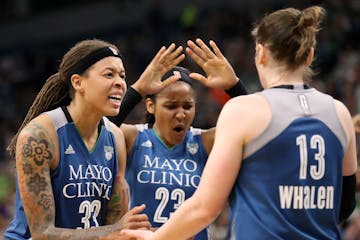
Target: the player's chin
pixel 111 112
pixel 177 137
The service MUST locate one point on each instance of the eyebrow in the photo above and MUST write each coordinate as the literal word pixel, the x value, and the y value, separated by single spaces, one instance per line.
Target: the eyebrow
pixel 122 70
pixel 182 101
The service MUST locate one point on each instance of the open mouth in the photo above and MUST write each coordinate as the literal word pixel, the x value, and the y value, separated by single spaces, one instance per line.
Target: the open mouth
pixel 179 128
pixel 117 98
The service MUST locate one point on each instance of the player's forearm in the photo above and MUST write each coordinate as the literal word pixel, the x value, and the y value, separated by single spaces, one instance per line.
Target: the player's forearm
pixel 118 206
pixel 55 233
pixel 187 221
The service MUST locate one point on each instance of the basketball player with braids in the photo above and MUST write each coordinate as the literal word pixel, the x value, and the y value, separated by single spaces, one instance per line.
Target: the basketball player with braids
pixel 166 156
pixel 70 158
pixel 288 168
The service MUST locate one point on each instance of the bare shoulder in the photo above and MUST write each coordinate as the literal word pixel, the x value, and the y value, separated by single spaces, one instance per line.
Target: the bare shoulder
pixel 129 130
pixel 41 124
pixel 130 133
pixel 237 112
pixel 37 143
pixel 207 138
pixel 247 107
pixel 345 117
pixel 41 131
pixel 248 115
pixel 118 133
pixel 342 110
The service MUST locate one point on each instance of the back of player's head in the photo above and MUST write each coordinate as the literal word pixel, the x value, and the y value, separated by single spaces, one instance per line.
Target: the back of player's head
pixel 289 34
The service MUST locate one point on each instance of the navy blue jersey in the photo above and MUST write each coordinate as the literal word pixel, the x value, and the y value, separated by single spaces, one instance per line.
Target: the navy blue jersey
pixel 290 182
pixel 163 177
pixel 82 182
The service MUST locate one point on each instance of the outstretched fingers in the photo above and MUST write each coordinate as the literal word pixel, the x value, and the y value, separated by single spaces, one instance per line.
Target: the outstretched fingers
pixel 217 51
pixel 174 59
pixel 198 77
pixel 158 55
pixel 205 49
pixel 175 54
pixel 219 73
pixel 165 59
pixel 200 52
pixel 170 57
pixel 170 53
pixel 194 52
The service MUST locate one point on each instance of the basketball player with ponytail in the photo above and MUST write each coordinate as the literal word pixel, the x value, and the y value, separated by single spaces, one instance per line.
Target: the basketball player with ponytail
pixel 288 167
pixel 70 159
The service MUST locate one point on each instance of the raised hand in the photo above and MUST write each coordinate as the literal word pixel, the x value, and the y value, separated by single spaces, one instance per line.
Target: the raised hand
pixel 150 80
pixel 219 72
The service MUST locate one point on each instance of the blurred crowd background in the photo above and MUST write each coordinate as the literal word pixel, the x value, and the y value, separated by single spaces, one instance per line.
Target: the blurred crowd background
pixel 34 34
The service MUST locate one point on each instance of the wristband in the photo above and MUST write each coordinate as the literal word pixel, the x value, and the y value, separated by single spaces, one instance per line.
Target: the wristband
pixel 348 201
pixel 236 90
pixel 130 100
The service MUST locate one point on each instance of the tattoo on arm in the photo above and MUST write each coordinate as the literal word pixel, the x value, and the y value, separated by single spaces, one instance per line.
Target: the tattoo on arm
pixel 118 204
pixel 35 151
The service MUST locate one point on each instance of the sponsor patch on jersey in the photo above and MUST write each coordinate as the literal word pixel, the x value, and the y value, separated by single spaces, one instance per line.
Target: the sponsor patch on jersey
pixel 147 144
pixel 69 150
pixel 109 152
pixel 192 147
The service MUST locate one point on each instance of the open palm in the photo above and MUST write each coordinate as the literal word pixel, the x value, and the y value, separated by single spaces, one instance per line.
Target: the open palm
pixel 165 59
pixel 219 72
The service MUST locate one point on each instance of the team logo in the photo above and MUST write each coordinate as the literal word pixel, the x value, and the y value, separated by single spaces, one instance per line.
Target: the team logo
pixel 147 144
pixel 192 148
pixel 177 74
pixel 69 150
pixel 109 152
pixel 115 52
